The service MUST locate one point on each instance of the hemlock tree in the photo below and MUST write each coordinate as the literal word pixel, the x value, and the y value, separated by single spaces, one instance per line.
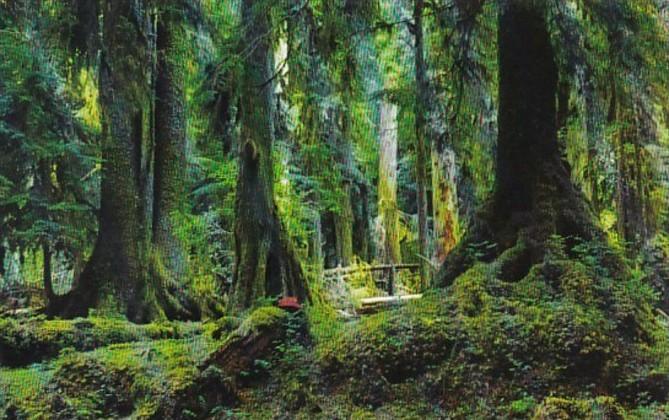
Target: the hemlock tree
pixel 534 197
pixel 170 262
pixel 266 264
pixel 116 274
pixel 121 275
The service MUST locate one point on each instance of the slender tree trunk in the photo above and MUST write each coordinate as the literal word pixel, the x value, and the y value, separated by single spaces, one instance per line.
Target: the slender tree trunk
pixel 630 189
pixel 265 262
pixel 3 252
pixel 444 200
pixel 344 217
pixel 361 228
pixel 422 107
pixel 47 275
pixel 343 222
pixel 388 209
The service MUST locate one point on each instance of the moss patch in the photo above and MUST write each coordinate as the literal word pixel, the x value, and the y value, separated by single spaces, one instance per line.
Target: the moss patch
pixel 36 339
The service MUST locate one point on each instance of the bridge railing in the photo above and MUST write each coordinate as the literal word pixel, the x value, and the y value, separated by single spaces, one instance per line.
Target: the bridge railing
pixel 389 270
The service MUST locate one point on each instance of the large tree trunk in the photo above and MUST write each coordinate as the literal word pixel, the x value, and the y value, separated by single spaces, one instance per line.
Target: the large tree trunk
pixel 388 209
pixel 534 197
pixel 265 262
pixel 422 107
pixel 115 277
pixel 170 262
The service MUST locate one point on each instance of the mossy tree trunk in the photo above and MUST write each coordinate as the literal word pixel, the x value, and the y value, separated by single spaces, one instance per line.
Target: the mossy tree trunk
pixel 632 180
pixel 534 197
pixel 444 200
pixel 47 274
pixel 265 262
pixel 388 209
pixel 116 274
pixel 361 225
pixel 170 262
pixel 343 224
pixel 344 216
pixel 421 109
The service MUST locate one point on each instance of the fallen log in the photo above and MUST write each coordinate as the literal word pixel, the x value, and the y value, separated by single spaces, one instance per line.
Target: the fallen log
pixel 251 341
pixel 221 374
pixel 376 304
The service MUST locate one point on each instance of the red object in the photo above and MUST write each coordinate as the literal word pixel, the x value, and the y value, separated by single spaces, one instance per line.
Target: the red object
pixel 289 304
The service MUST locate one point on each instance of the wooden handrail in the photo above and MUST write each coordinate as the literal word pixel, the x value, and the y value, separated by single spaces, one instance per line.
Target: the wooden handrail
pixel 381 267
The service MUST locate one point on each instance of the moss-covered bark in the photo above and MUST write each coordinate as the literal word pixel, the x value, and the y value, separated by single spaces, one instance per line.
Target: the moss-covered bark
pixel 444 201
pixel 343 224
pixel 422 153
pixel 633 180
pixel 388 209
pixel 170 262
pixel 115 276
pixel 533 197
pixel 265 262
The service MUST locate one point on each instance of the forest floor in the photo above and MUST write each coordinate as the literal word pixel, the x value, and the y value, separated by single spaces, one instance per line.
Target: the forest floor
pixel 570 340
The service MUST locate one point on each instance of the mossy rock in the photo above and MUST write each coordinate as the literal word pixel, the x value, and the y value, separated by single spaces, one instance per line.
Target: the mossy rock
pixel 556 408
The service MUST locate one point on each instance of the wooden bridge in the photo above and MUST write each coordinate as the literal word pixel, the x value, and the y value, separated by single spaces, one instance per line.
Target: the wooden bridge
pixel 386 281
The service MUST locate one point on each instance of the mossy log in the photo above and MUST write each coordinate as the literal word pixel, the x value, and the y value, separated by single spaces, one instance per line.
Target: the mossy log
pixel 251 341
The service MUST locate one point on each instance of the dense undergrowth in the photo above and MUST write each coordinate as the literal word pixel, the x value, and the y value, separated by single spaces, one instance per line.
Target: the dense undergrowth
pixel 573 339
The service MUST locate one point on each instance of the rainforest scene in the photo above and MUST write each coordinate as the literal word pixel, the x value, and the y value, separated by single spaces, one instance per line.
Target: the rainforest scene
pixel 334 209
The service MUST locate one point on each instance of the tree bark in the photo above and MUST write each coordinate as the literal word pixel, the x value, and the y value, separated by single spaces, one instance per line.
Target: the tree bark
pixel 534 197
pixel 361 225
pixel 115 277
pixel 170 165
pixel 47 275
pixel 388 209
pixel 422 101
pixel 633 221
pixel 444 201
pixel 265 262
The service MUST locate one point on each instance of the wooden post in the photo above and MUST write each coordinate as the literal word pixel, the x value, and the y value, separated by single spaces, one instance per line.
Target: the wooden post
pixel 391 281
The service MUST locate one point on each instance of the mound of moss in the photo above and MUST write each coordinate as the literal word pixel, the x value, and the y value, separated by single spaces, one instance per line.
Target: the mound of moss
pixel 130 379
pixel 574 338
pixel 28 341
pixel 573 329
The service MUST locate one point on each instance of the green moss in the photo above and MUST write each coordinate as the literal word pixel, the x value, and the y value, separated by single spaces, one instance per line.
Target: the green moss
pixel 556 408
pixel 223 326
pixel 38 339
pixel 84 385
pixel 392 346
pixel 265 317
